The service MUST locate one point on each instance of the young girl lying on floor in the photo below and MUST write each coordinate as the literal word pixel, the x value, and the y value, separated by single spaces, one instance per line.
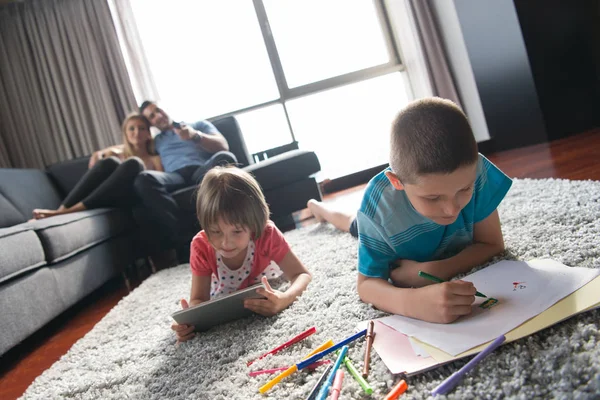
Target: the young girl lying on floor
pixel 237 247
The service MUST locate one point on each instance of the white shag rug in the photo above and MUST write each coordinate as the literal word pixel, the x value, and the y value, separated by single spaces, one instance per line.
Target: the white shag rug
pixel 131 352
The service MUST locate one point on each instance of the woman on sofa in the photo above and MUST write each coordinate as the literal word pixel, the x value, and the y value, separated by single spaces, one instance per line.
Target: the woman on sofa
pixel 109 182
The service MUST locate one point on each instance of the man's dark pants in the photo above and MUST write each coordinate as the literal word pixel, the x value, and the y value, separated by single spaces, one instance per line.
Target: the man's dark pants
pixel 155 188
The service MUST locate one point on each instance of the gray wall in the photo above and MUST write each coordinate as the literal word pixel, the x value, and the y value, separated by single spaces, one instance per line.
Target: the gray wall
pixel 498 58
pixel 460 66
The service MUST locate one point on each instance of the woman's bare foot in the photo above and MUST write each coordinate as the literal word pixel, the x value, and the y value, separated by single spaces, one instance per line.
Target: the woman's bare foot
pixel 316 208
pixel 40 213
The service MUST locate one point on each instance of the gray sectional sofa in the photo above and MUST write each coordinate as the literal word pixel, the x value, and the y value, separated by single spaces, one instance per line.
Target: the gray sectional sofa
pixel 46 266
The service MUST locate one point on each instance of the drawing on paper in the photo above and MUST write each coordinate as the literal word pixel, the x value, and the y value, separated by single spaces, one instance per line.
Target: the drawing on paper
pixel 519 286
pixel 489 303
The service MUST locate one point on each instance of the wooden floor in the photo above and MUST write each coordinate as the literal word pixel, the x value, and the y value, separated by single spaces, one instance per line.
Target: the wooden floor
pixel 576 157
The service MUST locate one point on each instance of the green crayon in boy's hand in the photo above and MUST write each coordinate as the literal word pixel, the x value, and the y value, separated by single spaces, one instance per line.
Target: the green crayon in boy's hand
pixel 438 280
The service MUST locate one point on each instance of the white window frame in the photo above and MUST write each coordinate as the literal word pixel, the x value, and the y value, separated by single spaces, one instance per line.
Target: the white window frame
pixel 286 93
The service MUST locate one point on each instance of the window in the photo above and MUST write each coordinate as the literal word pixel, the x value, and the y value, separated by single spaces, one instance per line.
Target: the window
pixel 324 73
pixel 348 127
pixel 265 128
pixel 320 39
pixel 206 60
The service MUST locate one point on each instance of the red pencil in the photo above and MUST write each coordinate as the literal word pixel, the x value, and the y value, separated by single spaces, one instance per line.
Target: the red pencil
pixel 290 342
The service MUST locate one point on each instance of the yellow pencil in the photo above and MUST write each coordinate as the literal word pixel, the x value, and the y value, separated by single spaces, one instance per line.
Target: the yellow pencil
pixel 293 368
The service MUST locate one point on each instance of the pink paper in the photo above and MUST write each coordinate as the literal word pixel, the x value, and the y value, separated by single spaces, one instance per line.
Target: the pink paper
pixel 396 352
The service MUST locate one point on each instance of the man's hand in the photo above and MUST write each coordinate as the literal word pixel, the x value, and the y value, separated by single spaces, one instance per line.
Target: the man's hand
pixel 443 302
pixel 275 300
pixel 186 132
pixel 183 332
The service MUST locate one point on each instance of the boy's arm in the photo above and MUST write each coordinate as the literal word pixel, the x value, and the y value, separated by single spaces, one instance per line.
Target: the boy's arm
pixel 442 303
pixel 487 242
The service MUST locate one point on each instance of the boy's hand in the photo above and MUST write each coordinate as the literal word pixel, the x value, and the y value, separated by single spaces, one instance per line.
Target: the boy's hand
pixel 444 302
pixel 275 300
pixel 183 332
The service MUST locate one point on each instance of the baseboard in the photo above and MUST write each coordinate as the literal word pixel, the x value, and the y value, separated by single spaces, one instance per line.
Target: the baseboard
pixel 351 180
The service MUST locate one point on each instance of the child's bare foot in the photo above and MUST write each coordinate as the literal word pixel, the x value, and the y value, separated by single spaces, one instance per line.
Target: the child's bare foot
pixel 316 208
pixel 324 213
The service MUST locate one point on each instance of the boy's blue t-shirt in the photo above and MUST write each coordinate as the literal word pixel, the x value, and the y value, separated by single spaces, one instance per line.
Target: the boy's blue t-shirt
pixel 390 229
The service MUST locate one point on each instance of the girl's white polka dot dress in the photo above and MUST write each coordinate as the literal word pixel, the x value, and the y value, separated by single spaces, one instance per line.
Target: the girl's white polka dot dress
pixel 229 280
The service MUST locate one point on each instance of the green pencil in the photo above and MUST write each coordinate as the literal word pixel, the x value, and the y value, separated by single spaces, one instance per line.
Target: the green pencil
pixel 438 280
pixel 356 375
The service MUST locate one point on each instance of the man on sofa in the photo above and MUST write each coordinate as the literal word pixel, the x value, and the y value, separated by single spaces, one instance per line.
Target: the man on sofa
pixel 187 152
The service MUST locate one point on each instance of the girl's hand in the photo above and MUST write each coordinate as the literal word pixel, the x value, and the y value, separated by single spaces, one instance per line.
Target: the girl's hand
pixel 444 302
pixel 183 332
pixel 275 300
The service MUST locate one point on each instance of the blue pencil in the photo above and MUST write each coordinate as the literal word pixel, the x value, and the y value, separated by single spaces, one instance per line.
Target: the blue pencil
pixel 325 388
pixel 318 356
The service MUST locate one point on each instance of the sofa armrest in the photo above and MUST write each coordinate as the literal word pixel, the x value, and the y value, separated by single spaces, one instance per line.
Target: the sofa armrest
pixel 285 168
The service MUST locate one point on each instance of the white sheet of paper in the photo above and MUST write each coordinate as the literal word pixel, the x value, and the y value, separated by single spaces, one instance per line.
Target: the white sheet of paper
pixel 420 351
pixel 524 289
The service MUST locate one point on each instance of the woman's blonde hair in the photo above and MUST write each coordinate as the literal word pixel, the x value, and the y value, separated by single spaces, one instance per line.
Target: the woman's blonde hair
pixel 127 149
pixel 233 195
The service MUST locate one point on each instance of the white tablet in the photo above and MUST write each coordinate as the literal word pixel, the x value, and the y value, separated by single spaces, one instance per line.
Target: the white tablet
pixel 219 310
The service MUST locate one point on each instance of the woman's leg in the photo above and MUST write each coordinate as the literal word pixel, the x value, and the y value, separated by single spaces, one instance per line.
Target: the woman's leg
pixel 117 189
pixel 86 185
pixel 322 213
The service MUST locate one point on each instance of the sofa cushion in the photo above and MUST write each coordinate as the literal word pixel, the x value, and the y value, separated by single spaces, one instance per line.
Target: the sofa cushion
pixel 65 235
pixel 66 174
pixel 20 251
pixel 229 127
pixel 27 189
pixel 26 304
pixel 285 168
pixel 9 215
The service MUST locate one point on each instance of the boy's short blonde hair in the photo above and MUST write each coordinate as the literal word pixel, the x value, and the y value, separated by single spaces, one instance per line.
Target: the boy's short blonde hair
pixel 430 136
pixel 233 195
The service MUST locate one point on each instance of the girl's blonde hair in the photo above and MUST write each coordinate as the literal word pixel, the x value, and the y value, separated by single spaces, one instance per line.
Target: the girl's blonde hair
pixel 127 149
pixel 233 195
